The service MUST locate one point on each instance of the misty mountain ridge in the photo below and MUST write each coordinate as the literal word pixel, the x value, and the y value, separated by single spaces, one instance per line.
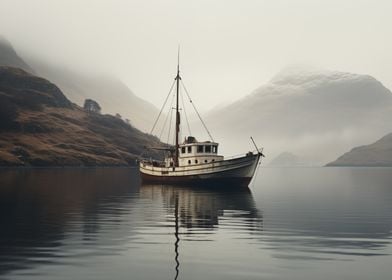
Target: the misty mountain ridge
pixel 378 153
pixel 112 94
pixel 303 74
pixel 316 113
pixel 295 80
pixel 9 57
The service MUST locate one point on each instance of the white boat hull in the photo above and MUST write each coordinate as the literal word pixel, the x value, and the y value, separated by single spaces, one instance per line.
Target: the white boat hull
pixel 238 171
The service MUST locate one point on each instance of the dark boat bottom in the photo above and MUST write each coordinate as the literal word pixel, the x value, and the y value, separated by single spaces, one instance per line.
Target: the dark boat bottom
pixel 229 182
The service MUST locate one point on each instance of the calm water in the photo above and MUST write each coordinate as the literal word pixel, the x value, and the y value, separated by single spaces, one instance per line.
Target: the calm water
pixel 305 223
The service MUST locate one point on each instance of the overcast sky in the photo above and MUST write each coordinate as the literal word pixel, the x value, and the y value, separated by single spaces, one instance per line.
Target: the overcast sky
pixel 228 48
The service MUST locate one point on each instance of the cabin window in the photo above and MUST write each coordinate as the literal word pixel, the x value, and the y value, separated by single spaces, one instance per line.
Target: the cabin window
pixel 196 161
pixel 189 149
pixel 189 161
pixel 199 149
pixel 207 149
pixel 215 149
pixel 183 150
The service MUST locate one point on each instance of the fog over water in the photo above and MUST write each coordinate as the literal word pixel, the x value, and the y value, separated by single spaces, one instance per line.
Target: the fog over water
pixel 229 48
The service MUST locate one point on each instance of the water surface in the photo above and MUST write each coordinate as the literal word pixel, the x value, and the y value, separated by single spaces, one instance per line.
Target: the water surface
pixel 293 223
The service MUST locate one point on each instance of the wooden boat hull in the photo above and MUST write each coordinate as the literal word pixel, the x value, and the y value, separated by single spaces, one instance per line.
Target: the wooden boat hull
pixel 233 172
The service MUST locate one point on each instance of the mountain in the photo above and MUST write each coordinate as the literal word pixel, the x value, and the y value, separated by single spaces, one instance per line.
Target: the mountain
pixel 9 57
pixel 39 126
pixel 376 154
pixel 315 113
pixel 112 94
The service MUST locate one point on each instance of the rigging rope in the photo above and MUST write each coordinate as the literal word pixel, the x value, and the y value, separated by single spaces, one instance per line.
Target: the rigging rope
pixel 194 107
pixel 167 117
pixel 163 106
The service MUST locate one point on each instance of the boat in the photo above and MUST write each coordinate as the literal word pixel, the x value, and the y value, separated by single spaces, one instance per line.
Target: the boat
pixel 194 162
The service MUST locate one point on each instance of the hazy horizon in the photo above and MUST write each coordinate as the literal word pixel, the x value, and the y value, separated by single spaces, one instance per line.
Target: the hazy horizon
pixel 228 48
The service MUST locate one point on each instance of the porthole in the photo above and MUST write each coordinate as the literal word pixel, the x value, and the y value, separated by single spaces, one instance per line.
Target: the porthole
pixel 205 161
pixel 196 161
pixel 189 161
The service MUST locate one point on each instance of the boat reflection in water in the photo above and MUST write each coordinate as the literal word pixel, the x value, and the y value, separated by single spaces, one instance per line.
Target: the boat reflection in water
pixel 195 210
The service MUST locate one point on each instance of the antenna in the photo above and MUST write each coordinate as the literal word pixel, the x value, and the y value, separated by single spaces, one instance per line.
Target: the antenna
pixel 178 59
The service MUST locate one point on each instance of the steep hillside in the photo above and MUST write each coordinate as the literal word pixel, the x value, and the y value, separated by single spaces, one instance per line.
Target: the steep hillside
pixel 9 57
pixel 315 113
pixel 376 154
pixel 112 94
pixel 39 126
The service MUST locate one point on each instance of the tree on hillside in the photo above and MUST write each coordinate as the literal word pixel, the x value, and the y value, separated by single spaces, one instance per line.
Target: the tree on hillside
pixel 118 116
pixel 91 106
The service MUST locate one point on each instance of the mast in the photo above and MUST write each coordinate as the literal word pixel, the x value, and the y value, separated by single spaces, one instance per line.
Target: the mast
pixel 178 78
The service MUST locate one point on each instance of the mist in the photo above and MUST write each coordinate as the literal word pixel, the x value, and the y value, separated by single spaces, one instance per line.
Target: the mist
pixel 315 113
pixel 124 55
pixel 228 48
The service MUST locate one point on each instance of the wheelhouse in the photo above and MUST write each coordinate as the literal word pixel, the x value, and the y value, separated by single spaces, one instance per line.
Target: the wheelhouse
pixel 192 152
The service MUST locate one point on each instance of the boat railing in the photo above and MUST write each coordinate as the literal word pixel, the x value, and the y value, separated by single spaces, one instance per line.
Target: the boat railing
pixel 250 153
pixel 153 162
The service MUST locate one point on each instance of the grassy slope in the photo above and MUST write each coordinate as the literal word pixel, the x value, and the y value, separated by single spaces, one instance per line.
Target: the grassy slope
pixel 47 130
